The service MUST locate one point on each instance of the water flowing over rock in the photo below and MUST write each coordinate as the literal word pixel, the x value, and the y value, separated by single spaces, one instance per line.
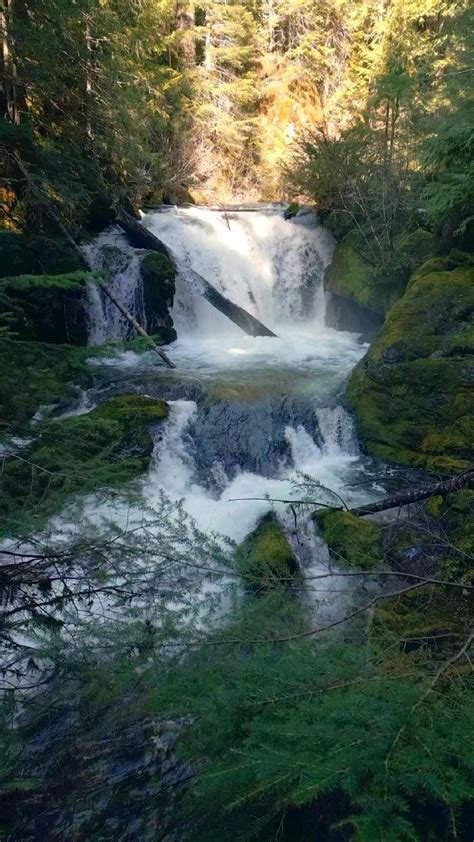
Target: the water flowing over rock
pixel 111 252
pixel 270 266
pixel 223 446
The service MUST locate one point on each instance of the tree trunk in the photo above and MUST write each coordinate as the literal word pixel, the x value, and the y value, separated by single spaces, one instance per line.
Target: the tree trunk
pixel 11 88
pixel 404 498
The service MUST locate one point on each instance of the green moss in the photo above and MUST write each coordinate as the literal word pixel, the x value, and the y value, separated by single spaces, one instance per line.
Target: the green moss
pixel 426 617
pixel 291 210
pixel 73 280
pixel 21 254
pixel 417 245
pixel 351 540
pixel 430 313
pixel 158 274
pixel 352 276
pixel 47 308
pixel 108 447
pixel 265 558
pixel 33 374
pixel 412 393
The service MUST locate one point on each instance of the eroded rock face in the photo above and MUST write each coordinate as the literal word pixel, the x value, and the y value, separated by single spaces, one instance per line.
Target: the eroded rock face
pixel 412 392
pixel 224 446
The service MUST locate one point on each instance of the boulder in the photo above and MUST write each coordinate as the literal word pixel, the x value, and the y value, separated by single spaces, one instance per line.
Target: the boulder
pixel 47 308
pixel 158 276
pixel 265 559
pixel 412 392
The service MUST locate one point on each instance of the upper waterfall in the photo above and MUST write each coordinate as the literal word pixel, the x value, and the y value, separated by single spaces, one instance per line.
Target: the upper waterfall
pixel 270 266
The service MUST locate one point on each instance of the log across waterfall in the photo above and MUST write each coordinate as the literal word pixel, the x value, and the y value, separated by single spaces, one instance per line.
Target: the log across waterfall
pixel 141 237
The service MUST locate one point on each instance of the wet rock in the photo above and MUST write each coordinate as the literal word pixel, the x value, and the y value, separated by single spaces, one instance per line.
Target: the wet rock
pixel 248 437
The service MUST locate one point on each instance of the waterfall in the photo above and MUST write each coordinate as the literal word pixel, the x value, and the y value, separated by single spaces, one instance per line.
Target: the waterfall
pixel 270 266
pixel 111 252
pixel 338 431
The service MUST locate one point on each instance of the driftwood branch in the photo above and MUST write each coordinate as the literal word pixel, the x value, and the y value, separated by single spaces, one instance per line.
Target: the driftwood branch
pixel 106 288
pixel 137 325
pixel 142 237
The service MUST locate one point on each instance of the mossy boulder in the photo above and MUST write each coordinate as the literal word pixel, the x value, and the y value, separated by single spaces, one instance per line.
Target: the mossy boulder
pixel 291 210
pixel 47 308
pixel 265 559
pixel 350 275
pixel 158 276
pixel 106 448
pixel 373 285
pixel 352 541
pixel 33 374
pixel 36 254
pixel 413 391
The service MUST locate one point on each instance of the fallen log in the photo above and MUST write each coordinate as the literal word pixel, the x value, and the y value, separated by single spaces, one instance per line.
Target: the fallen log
pixel 142 237
pixel 154 347
pixel 404 498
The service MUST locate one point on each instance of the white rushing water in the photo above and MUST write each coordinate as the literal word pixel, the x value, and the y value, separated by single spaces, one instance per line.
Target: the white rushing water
pixel 270 266
pixel 274 268
pixel 110 251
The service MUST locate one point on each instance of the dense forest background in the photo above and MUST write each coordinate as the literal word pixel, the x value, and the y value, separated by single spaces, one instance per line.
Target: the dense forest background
pixel 152 99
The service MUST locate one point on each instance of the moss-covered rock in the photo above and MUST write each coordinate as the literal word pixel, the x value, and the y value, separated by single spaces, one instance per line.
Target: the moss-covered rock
pixel 291 210
pixel 351 276
pixel 265 558
pixel 412 392
pixel 158 275
pixel 106 448
pixel 374 286
pixel 36 254
pixel 33 374
pixel 47 308
pixel 352 541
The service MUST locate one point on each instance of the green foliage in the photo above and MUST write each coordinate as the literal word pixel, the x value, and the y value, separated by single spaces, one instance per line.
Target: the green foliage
pixel 33 374
pixel 24 255
pixel 290 726
pixel 352 541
